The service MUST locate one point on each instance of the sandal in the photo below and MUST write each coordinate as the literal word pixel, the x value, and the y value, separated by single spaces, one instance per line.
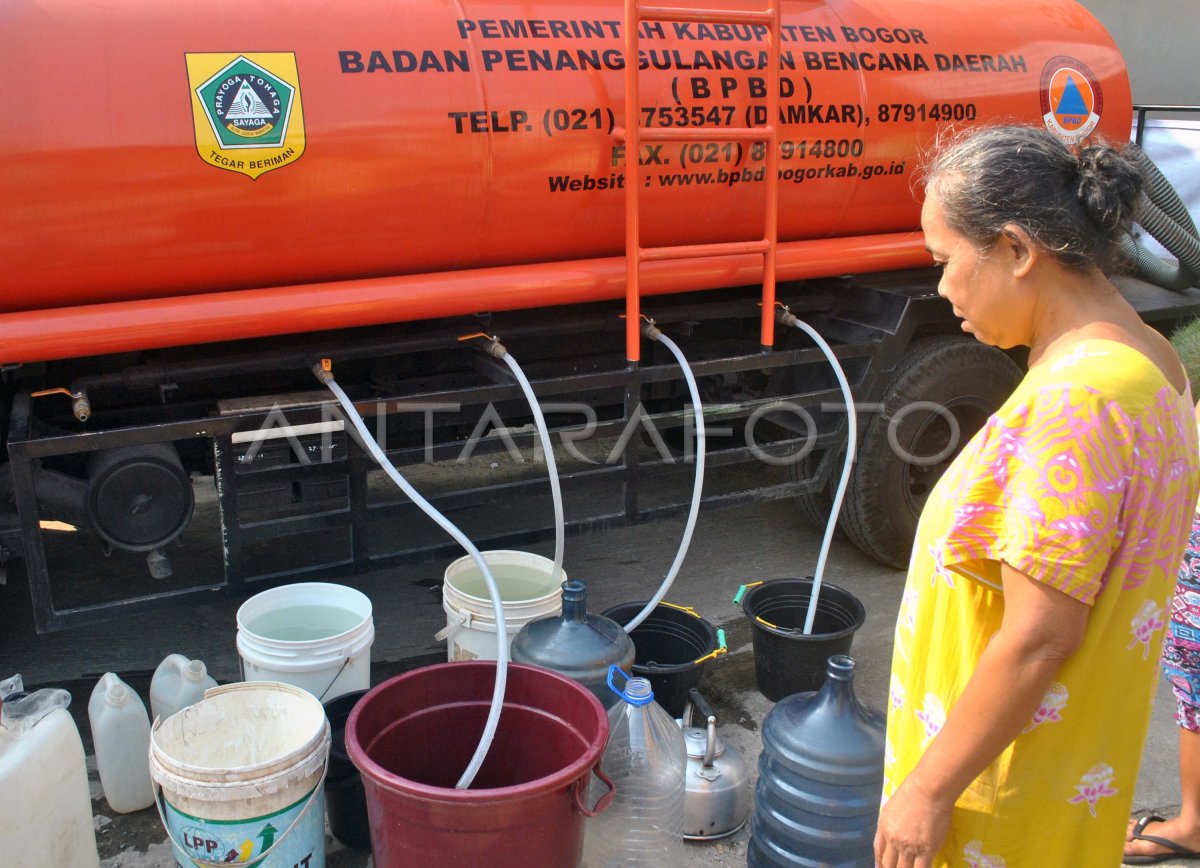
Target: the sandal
pixel 1175 851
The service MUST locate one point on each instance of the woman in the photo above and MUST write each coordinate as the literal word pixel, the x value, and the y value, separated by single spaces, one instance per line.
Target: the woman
pixel 1026 647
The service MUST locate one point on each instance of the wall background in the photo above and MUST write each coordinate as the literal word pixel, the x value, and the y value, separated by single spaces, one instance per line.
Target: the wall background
pixel 1159 39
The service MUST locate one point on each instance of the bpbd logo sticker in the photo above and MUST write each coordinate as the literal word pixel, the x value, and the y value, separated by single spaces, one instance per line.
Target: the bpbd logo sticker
pixel 246 110
pixel 1071 99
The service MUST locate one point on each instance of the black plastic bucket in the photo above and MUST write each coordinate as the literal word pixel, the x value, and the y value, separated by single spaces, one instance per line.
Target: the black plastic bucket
pixel 786 661
pixel 345 798
pixel 671 648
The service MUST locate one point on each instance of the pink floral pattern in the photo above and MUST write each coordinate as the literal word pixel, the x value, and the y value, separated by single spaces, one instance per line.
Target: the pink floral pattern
pixel 1051 708
pixel 933 715
pixel 1149 620
pixel 1069 485
pixel 974 857
pixel 936 551
pixel 1094 786
pixel 908 610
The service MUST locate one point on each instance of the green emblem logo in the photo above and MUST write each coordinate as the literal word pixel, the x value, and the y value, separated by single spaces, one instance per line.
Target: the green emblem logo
pixel 247 106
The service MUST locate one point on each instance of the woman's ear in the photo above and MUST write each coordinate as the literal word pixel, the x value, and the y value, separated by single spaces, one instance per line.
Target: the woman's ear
pixel 1019 247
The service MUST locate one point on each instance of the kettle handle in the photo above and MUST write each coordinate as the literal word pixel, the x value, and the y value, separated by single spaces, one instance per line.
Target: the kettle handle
pixel 603 802
pixel 696 699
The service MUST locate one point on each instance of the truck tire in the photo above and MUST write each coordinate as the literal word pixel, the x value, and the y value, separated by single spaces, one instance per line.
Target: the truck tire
pixel 814 506
pixel 967 381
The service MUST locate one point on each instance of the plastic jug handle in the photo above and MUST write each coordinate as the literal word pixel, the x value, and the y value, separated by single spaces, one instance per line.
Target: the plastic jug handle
pixel 639 700
pixel 175 661
pixel 602 803
pixel 613 670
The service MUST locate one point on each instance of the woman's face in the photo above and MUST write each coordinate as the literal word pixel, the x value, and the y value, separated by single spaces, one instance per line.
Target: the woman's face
pixel 979 284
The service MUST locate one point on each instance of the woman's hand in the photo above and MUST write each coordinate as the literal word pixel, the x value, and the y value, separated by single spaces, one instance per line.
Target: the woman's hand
pixel 912 827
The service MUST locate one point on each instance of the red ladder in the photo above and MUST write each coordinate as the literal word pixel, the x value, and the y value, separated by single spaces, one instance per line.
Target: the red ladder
pixel 634 134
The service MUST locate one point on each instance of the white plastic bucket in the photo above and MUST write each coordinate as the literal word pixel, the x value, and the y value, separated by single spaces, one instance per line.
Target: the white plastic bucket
pixel 528 591
pixel 241 773
pixel 313 635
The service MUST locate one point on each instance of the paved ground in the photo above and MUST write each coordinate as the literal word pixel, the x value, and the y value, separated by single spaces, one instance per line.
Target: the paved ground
pixel 731 547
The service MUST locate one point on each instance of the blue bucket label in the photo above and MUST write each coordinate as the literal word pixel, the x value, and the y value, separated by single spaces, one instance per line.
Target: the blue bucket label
pixel 257 842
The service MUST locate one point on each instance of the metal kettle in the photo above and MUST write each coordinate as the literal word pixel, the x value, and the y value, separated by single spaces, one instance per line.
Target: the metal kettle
pixel 717 797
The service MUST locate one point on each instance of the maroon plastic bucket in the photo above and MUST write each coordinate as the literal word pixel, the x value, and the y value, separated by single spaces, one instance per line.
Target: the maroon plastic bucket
pixel 412 736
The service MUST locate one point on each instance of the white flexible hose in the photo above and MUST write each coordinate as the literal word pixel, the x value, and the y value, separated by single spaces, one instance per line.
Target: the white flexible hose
pixel 551 465
pixel 844 482
pixel 697 486
pixel 493 719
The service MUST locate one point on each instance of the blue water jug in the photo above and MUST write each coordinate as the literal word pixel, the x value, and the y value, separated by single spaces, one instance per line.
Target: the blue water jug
pixel 820 777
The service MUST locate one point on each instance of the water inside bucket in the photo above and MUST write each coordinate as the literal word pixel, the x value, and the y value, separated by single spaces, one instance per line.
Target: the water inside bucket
pixel 304 623
pixel 514 581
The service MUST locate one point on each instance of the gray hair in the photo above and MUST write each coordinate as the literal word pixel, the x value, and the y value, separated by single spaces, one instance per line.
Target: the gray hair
pixel 1074 204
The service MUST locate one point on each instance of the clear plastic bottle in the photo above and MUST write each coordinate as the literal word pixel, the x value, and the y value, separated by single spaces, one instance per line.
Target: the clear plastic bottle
pixel 177 683
pixel 646 758
pixel 121 735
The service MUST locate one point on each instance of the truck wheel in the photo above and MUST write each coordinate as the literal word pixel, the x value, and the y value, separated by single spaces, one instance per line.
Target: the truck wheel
pixel 813 507
pixel 940 384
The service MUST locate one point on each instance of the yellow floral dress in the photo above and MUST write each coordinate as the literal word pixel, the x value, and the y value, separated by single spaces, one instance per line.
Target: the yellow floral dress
pixel 1083 480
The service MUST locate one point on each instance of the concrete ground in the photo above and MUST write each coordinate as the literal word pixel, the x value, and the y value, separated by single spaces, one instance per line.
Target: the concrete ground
pixel 731 547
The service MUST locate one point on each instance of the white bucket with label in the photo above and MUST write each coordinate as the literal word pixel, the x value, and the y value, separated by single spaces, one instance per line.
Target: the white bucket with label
pixel 241 775
pixel 313 635
pixel 528 591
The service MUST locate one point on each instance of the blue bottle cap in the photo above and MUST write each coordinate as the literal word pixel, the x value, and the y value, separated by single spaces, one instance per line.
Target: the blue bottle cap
pixel 637 690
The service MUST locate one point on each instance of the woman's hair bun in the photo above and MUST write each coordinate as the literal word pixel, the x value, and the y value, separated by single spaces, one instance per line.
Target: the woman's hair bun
pixel 1075 203
pixel 1108 186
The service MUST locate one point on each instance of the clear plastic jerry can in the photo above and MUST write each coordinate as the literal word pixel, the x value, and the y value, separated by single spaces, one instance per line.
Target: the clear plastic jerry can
pixel 121 736
pixel 46 820
pixel 178 682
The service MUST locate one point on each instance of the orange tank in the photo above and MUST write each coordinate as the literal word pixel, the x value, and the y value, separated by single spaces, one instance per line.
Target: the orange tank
pixel 184 173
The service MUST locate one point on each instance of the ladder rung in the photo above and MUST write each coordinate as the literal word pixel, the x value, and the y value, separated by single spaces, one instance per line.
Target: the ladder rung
pixel 699 251
pixel 706 16
pixel 769 20
pixel 700 134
